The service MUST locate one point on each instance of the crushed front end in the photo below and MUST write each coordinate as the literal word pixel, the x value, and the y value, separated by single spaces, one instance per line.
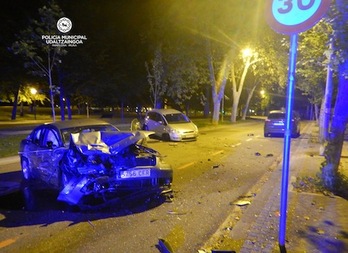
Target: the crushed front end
pixel 103 166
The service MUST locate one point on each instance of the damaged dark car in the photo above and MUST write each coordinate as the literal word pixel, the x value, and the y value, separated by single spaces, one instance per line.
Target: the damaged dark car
pixel 92 163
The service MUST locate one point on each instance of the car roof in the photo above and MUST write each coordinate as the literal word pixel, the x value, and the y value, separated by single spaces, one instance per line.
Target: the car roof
pixel 165 111
pixel 77 123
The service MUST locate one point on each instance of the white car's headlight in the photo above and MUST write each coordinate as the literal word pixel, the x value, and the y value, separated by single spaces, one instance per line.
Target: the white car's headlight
pixel 174 131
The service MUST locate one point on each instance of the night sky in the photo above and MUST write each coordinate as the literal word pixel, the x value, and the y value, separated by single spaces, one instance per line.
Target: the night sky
pixel 127 31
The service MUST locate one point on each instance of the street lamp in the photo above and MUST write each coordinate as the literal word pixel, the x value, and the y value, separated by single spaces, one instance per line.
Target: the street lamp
pixel 247 52
pixel 262 93
pixel 33 91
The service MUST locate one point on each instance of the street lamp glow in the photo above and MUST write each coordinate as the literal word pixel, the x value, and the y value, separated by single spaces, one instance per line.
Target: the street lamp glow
pixel 33 91
pixel 247 52
pixel 262 92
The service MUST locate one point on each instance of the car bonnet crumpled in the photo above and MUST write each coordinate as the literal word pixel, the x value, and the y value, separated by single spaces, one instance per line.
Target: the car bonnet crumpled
pixel 105 142
pixel 95 175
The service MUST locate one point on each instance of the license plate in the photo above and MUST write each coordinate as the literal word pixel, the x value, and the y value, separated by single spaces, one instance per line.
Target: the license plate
pixel 279 123
pixel 135 173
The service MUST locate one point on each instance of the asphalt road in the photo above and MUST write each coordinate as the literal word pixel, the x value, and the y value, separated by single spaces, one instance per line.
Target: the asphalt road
pixel 226 164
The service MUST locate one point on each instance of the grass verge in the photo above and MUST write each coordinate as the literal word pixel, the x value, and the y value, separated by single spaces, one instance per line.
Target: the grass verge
pixel 9 145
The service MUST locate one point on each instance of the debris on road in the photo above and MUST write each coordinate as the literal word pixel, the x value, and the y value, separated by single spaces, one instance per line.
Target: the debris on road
pixel 176 213
pixel 242 202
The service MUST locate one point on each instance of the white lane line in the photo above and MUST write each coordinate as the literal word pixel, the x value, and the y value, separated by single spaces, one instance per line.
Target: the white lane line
pixel 249 139
pixel 213 154
pixel 218 152
pixel 186 165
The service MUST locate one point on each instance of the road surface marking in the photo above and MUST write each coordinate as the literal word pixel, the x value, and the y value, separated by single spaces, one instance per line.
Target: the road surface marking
pixel 217 152
pixel 6 243
pixel 186 165
pixel 249 139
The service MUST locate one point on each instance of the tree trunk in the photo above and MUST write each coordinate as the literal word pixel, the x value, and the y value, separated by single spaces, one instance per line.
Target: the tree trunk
pixel 325 110
pixel 68 105
pixel 218 87
pixel 333 150
pixel 234 108
pixel 237 91
pixel 22 109
pixel 206 102
pixel 14 108
pixel 246 108
pixel 216 110
pixel 51 93
pixel 62 104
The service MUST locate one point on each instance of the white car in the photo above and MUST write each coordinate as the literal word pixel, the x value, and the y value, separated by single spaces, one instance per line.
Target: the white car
pixel 170 125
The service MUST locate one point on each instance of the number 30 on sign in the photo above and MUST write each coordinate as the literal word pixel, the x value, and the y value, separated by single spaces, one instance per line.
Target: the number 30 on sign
pixel 295 16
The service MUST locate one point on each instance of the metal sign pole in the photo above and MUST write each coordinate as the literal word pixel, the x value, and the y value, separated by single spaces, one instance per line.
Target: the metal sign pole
pixel 287 141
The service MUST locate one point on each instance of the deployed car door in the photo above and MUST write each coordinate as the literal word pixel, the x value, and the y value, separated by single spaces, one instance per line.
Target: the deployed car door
pixel 156 123
pixel 50 156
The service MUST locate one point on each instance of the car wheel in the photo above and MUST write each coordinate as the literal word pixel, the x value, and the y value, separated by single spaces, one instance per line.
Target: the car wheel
pixel 165 137
pixel 265 134
pixel 145 127
pixel 25 168
pixel 29 196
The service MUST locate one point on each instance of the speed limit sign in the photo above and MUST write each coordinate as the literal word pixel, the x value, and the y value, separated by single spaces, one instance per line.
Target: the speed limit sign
pixel 295 16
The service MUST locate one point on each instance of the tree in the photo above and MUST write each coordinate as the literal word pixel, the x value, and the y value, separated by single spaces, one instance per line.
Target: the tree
pixel 269 71
pixel 222 25
pixel 312 64
pixel 218 84
pixel 40 57
pixel 156 78
pixel 333 150
pixel 249 58
pixel 31 94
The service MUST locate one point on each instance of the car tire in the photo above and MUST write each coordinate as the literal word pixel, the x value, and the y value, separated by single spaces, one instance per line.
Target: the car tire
pixel 26 171
pixel 265 135
pixel 145 127
pixel 29 197
pixel 165 137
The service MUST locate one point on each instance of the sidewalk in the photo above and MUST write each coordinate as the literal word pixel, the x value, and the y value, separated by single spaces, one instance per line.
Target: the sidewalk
pixel 315 222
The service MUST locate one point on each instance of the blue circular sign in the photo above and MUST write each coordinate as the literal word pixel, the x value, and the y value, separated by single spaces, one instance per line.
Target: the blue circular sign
pixel 294 16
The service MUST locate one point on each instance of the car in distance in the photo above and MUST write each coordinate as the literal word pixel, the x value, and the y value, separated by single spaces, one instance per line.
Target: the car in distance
pixel 170 125
pixel 91 161
pixel 275 123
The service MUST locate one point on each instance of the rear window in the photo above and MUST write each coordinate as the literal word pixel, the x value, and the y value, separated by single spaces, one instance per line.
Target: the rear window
pixel 278 115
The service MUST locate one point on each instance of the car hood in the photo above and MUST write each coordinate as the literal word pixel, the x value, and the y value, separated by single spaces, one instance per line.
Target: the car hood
pixel 184 127
pixel 104 142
